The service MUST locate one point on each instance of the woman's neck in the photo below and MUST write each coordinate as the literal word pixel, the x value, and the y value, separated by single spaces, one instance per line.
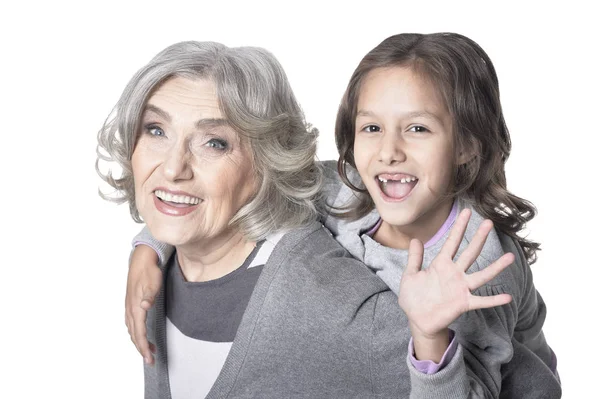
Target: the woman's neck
pixel 214 258
pixel 423 229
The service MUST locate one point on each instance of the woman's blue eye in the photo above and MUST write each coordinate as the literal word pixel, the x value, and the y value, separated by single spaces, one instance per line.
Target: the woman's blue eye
pixel 155 131
pixel 371 129
pixel 217 144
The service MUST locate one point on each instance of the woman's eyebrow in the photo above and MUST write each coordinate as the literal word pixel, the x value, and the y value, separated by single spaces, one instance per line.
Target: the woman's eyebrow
pixel 204 123
pixel 163 114
pixel 211 123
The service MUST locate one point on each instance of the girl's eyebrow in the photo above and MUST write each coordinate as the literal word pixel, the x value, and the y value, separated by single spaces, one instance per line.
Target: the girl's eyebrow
pixel 364 113
pixel 414 114
pixel 200 124
pixel 424 114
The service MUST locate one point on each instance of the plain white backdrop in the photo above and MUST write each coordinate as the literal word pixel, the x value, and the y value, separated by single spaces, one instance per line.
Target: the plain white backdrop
pixel 64 250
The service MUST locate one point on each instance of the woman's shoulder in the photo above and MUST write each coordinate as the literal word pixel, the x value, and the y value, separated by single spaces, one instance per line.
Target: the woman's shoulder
pixel 312 250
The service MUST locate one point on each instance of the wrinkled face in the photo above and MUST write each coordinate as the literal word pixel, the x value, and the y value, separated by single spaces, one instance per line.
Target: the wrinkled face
pixel 192 172
pixel 404 150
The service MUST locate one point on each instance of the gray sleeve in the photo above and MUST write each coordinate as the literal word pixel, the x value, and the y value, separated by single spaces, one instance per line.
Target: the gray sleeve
pixel 164 251
pixel 484 338
pixel 532 314
pixel 474 371
pixel 449 382
pixel 532 371
pixel 466 376
pixel 502 350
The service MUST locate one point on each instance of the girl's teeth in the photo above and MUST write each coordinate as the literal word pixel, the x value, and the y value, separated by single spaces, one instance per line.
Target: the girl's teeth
pixel 402 180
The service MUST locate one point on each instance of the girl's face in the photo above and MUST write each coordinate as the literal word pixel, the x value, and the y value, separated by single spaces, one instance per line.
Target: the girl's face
pixel 404 152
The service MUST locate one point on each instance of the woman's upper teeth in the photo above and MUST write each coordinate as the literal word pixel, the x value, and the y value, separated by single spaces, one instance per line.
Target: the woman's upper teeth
pixel 180 199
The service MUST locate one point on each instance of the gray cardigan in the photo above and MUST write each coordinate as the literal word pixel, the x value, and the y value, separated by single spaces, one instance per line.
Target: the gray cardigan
pixel 319 324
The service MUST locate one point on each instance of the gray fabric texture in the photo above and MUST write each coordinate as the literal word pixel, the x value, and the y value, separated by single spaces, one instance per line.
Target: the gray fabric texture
pixel 319 324
pixel 502 351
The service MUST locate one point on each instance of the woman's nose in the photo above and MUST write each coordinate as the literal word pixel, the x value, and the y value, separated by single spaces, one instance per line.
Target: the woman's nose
pixel 177 163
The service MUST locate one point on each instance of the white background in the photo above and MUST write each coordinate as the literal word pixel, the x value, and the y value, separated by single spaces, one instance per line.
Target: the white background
pixel 64 250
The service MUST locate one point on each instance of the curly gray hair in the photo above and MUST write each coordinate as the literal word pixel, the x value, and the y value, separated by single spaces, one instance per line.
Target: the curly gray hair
pixel 258 103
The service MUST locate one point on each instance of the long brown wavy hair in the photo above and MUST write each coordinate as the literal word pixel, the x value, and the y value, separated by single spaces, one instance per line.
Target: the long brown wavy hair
pixel 467 81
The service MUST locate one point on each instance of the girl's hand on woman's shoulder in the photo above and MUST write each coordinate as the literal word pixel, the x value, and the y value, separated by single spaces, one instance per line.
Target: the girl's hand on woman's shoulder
pixel 143 284
pixel 434 297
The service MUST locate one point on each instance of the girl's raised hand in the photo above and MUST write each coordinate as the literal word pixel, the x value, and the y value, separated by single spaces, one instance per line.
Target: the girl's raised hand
pixel 434 297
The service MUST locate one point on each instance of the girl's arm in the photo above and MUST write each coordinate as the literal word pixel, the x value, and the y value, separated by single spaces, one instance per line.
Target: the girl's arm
pixel 162 250
pixel 488 325
pixel 435 297
pixel 143 284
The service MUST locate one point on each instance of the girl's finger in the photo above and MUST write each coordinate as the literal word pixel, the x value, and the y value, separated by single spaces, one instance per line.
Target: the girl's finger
pixel 473 250
pixel 484 302
pixel 415 256
pixel 456 234
pixel 476 280
pixel 148 295
pixel 140 335
pixel 127 321
pixel 131 328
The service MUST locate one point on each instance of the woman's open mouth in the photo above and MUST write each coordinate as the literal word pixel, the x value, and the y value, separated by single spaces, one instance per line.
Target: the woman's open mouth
pixel 175 204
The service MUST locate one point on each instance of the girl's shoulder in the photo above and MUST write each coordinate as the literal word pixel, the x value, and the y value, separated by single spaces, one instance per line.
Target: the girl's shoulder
pixel 333 183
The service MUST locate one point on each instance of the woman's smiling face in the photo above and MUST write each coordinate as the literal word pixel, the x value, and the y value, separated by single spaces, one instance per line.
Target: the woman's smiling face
pixel 192 171
pixel 404 150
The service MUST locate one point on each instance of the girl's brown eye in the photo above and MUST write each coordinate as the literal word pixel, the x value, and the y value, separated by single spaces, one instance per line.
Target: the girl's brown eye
pixel 418 129
pixel 371 129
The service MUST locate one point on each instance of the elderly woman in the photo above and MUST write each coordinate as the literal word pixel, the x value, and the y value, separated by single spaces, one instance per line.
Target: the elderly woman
pixel 218 162
pixel 258 300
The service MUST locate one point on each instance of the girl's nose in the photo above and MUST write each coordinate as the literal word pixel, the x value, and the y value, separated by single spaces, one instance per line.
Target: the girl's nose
pixel 391 149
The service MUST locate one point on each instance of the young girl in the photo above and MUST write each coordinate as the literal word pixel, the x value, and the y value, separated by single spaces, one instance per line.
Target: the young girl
pixel 423 143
